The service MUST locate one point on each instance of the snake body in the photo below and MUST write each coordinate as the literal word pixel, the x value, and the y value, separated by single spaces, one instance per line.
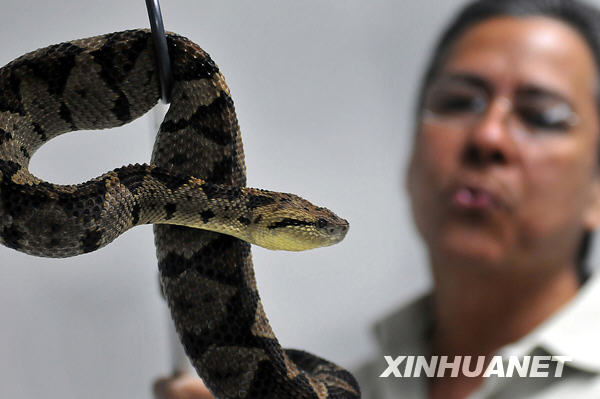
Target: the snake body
pixel 193 191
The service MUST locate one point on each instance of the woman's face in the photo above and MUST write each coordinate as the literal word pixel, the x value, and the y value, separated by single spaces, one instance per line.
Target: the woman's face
pixel 504 168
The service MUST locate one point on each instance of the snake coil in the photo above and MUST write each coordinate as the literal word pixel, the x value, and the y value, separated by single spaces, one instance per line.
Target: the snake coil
pixel 196 178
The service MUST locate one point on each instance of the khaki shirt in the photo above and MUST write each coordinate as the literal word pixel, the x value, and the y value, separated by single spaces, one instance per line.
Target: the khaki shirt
pixel 573 331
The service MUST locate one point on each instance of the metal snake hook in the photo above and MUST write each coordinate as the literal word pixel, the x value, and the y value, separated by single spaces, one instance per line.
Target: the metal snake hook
pixel 159 38
pixel 179 361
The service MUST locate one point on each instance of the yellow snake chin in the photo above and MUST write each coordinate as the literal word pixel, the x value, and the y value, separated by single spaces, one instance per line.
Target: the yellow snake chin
pixel 298 238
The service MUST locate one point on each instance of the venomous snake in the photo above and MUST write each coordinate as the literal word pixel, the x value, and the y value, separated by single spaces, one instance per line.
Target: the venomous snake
pixel 193 192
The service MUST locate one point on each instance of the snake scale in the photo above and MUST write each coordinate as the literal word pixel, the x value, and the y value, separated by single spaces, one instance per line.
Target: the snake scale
pixel 193 192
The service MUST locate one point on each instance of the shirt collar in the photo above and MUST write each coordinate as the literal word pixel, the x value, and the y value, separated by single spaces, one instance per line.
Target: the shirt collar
pixel 572 331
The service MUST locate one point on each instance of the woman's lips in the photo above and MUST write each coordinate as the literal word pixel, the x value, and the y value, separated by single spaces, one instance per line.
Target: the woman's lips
pixel 469 192
pixel 473 198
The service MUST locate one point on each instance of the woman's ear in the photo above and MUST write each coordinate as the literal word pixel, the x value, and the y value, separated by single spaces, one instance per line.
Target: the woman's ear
pixel 591 216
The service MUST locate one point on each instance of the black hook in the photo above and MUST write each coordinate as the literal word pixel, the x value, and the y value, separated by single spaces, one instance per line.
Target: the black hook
pixel 159 37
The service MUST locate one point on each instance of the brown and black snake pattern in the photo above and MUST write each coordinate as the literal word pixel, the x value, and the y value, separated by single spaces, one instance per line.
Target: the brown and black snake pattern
pixel 207 277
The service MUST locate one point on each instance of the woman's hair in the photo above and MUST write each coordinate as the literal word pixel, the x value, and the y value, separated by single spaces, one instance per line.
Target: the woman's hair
pixel 584 18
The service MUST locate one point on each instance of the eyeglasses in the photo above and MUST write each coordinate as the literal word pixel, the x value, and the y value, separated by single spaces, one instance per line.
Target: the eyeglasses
pixel 460 104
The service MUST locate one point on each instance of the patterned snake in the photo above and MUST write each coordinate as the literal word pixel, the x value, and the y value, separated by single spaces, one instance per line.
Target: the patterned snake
pixel 193 191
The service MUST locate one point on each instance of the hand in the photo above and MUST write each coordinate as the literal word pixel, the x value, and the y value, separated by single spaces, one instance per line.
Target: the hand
pixel 183 386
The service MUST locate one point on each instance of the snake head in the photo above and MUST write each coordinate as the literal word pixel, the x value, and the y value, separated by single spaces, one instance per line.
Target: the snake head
pixel 292 223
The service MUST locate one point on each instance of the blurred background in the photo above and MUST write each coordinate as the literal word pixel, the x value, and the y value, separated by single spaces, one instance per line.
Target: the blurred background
pixel 324 92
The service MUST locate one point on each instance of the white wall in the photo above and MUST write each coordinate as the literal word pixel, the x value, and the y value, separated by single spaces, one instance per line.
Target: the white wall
pixel 324 93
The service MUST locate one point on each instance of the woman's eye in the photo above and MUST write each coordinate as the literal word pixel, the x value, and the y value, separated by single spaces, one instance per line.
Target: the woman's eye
pixel 448 104
pixel 545 119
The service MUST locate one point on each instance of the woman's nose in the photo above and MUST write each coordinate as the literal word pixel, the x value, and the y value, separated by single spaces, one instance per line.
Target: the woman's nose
pixel 489 141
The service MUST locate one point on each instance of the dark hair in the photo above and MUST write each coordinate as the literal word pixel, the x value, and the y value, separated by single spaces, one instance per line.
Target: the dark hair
pixel 580 16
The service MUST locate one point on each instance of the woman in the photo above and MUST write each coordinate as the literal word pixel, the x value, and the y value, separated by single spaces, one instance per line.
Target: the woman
pixel 505 188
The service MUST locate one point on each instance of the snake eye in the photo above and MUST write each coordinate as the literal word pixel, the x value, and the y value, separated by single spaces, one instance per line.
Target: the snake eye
pixel 321 223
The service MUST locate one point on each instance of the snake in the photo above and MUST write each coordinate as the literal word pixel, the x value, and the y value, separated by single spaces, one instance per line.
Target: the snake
pixel 193 191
